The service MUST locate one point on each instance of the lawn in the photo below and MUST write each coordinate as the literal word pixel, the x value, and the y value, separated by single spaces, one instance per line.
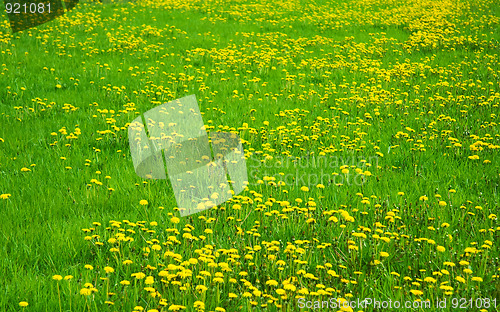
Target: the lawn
pixel 371 136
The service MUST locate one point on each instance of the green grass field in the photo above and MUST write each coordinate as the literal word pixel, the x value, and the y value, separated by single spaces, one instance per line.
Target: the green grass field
pixel 370 128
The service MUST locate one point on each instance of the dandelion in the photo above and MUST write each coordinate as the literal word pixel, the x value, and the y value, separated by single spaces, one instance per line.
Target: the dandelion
pixel 23 304
pixel 86 291
pixel 310 220
pixel 143 202
pixel 460 279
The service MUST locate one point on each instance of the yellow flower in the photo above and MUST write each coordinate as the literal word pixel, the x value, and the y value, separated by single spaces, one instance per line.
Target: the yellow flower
pixel 477 279
pixel 57 277
pixel 109 269
pixel 441 249
pixel 139 275
pixel 5 196
pixel 89 267
pixel 333 219
pixel 460 279
pixel 417 292
pixel 442 203
pixel 85 291
pixel 175 220
pixel 384 254
pixel 23 304
pixel 143 202
pixel 304 189
pixel 125 283
pixel 429 279
pixel 199 304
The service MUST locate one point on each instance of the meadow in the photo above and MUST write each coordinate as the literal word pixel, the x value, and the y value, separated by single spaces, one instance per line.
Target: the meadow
pixel 399 101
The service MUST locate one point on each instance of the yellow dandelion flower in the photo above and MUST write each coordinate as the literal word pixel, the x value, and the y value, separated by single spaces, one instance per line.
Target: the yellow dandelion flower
pixel 417 292
pixel 23 304
pixel 85 291
pixel 57 277
pixel 460 279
